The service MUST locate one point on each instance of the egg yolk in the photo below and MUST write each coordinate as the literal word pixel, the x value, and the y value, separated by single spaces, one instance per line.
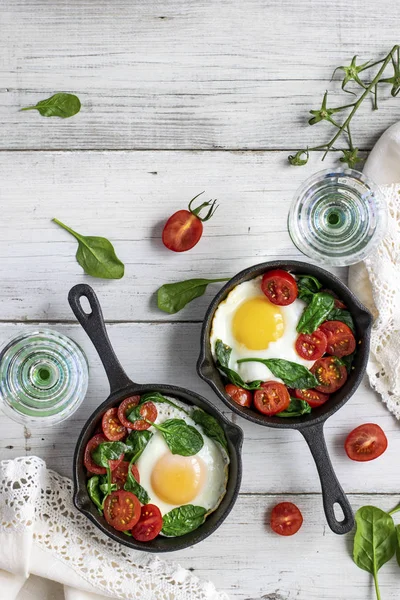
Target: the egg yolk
pixel 178 479
pixel 257 322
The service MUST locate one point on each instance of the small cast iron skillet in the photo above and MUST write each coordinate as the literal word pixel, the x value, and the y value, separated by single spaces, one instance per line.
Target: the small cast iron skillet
pixel 120 388
pixel 310 426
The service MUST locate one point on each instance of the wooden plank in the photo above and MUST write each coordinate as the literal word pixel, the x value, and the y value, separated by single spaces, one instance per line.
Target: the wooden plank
pixel 168 75
pixel 274 461
pixel 127 197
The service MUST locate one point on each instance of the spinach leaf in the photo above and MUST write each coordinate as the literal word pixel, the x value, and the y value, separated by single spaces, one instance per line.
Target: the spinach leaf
pixel 296 408
pixel 292 374
pixel 339 314
pixel 183 519
pixel 157 397
pixel 108 451
pixel 347 361
pixel 210 426
pixel 307 286
pixel 316 312
pixel 60 105
pixel 93 488
pixel 172 297
pixel 136 442
pixel 398 544
pixel 96 255
pixel 223 353
pixel 131 485
pixel 181 438
pixel 106 489
pixel 374 541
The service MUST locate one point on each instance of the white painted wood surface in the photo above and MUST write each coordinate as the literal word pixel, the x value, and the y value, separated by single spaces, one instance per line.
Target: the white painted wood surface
pixel 178 97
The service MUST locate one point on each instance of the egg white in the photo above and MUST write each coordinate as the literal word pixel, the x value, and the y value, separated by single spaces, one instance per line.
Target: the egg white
pixel 284 347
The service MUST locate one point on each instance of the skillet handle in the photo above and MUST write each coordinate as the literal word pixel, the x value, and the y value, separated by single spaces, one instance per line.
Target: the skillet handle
pixel 93 324
pixel 332 491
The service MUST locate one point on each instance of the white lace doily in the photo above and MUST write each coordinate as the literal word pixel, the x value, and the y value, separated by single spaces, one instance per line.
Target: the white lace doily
pixel 377 283
pixel 37 501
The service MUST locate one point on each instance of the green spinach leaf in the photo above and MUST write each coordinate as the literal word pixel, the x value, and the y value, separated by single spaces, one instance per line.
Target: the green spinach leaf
pixel 93 488
pixel 107 489
pixel 183 519
pixel 398 544
pixel 210 426
pixel 181 438
pixel 132 485
pixel 296 408
pixel 292 374
pixel 96 255
pixel 60 105
pixel 157 397
pixel 108 451
pixel 316 312
pixel 339 314
pixel 172 297
pixel 347 361
pixel 307 286
pixel 136 442
pixel 223 353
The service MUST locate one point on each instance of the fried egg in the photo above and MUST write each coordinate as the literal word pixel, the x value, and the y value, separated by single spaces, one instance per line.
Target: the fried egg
pixel 255 328
pixel 172 480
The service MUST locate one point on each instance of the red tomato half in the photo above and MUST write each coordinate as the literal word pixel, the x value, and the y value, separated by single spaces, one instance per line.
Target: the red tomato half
pixel 148 411
pixel 311 347
pixel 239 395
pixel 286 518
pixel 122 510
pixel 120 474
pixel 149 525
pixel 279 287
pixel 341 340
pixel 330 374
pixel 183 230
pixel 271 398
pixel 89 463
pixel 112 426
pixel 366 442
pixel 313 397
pixel 125 408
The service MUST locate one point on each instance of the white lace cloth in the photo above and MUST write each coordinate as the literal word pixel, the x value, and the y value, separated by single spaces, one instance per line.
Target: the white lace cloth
pixel 377 281
pixel 42 533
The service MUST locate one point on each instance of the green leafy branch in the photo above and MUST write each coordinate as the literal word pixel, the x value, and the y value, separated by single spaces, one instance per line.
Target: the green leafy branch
pixel 352 73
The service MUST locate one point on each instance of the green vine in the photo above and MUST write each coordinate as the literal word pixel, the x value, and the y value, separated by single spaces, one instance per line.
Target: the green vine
pixel 352 73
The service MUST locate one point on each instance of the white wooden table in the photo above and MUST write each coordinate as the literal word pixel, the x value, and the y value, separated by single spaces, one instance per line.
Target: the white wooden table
pixel 180 96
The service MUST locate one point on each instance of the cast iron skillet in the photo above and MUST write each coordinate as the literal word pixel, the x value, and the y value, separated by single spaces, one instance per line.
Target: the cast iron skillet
pixel 120 388
pixel 310 426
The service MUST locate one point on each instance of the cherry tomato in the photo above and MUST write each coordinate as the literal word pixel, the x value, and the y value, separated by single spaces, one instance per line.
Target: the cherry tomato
pixel 279 287
pixel 148 411
pixel 286 518
pixel 122 510
pixel 271 398
pixel 313 397
pixel 341 340
pixel 311 347
pixel 149 525
pixel 120 474
pixel 89 463
pixel 184 229
pixel 112 426
pixel 330 374
pixel 125 408
pixel 239 395
pixel 366 442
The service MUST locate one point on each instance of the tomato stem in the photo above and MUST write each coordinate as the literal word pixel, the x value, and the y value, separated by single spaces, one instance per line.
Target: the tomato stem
pixel 196 211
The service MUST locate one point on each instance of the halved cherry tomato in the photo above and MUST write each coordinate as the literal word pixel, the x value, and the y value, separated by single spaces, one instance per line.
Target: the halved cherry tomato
pixel 122 510
pixel 311 347
pixel 149 525
pixel 273 397
pixel 366 442
pixel 148 411
pixel 330 374
pixel 184 229
pixel 112 426
pixel 341 340
pixel 279 287
pixel 239 395
pixel 313 397
pixel 286 518
pixel 120 474
pixel 125 408
pixel 89 463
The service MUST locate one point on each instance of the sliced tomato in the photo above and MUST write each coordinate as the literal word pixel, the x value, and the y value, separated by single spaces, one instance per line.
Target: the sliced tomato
pixel 120 474
pixel 330 374
pixel 122 510
pixel 273 397
pixel 149 525
pixel 279 287
pixel 366 442
pixel 286 518
pixel 311 347
pixel 313 397
pixel 341 340
pixel 112 426
pixel 89 463
pixel 239 395
pixel 125 408
pixel 148 411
